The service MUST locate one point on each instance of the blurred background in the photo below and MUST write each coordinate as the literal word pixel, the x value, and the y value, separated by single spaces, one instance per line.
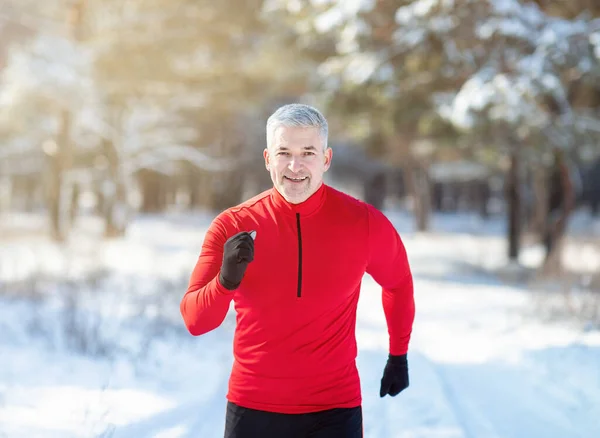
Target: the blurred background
pixel 127 124
pixel 119 108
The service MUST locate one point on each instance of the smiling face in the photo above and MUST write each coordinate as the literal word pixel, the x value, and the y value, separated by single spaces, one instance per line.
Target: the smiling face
pixel 297 160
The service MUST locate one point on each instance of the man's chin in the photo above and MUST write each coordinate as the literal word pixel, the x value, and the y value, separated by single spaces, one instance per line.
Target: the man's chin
pixel 296 199
pixel 295 195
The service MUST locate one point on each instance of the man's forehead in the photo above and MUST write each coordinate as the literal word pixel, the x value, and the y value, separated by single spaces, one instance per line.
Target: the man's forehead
pixel 303 137
pixel 296 131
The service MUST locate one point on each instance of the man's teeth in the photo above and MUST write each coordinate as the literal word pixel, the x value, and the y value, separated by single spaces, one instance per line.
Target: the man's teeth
pixel 297 179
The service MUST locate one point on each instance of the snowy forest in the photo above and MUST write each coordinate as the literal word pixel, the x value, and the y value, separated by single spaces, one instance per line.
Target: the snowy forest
pixel 143 106
pixel 126 125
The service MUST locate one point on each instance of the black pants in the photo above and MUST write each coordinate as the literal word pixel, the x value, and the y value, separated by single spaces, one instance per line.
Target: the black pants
pixel 333 423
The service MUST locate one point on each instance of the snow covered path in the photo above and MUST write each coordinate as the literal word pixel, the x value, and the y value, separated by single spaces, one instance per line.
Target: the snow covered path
pixel 478 370
pixel 480 365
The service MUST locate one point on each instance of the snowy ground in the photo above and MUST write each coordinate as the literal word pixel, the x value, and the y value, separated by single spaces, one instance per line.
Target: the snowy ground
pixel 92 343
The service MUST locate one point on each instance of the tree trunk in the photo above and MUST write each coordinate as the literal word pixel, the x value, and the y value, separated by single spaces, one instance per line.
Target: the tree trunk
pixel 74 204
pixel 114 195
pixel 559 216
pixel 53 197
pixel 116 211
pixel 100 199
pixel 30 188
pixel 375 191
pixel 6 191
pixel 202 189
pixel 151 191
pixel 400 151
pixel 59 201
pixel 194 187
pixel 513 200
pixel 227 190
pixel 168 186
pixel 483 199
pixel 540 210
pixel 420 189
pixel 59 157
pixel 227 187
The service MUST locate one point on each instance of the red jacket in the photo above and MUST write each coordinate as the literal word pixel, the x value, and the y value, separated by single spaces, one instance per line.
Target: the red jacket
pixel 294 344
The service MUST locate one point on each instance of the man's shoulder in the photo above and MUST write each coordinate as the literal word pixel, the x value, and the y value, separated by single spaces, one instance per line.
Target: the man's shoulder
pixel 251 204
pixel 344 199
pixel 345 203
pixel 230 217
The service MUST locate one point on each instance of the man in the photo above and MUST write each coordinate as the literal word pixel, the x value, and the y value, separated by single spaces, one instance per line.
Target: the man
pixel 292 260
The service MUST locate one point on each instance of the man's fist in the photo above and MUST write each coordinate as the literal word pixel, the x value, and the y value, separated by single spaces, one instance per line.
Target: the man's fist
pixel 395 376
pixel 238 251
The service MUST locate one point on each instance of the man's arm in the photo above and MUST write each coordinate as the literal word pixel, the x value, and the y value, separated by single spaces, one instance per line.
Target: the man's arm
pixel 206 302
pixel 389 267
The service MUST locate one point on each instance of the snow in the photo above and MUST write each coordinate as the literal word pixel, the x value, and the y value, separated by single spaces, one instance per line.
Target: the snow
pixel 595 41
pixel 506 26
pixel 122 365
pixel 62 77
pixel 340 12
pixel 410 37
pixel 462 170
pixel 419 8
pixel 526 54
pixel 347 7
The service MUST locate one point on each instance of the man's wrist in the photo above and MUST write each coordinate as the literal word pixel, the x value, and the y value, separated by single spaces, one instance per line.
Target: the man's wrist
pixel 227 284
pixel 397 360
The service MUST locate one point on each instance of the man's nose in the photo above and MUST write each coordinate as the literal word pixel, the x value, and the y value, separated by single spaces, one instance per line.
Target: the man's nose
pixel 295 164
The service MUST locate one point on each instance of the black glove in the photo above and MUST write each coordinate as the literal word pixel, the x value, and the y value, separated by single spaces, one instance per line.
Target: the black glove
pixel 238 251
pixel 395 376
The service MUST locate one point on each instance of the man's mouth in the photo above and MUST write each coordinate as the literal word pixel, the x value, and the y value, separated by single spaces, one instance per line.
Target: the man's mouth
pixel 299 179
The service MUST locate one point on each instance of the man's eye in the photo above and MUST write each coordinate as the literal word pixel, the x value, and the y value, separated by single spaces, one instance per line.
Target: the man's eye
pixel 309 153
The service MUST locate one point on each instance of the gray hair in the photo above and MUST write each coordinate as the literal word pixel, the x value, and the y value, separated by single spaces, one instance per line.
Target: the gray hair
pixel 299 115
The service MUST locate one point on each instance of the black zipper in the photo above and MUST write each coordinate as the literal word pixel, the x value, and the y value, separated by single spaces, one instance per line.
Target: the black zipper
pixel 299 293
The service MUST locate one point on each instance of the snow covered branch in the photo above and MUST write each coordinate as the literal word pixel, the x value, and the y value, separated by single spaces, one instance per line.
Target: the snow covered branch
pixel 56 68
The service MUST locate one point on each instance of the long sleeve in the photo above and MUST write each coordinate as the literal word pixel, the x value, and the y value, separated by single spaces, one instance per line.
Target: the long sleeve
pixel 389 267
pixel 206 302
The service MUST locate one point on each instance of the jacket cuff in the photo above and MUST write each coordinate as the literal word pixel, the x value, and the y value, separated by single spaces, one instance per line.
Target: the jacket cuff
pixel 227 285
pixel 397 360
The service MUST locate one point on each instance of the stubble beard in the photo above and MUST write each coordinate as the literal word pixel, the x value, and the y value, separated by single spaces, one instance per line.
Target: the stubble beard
pixel 296 192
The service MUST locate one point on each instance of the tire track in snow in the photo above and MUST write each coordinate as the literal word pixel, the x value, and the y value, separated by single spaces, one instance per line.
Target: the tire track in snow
pixel 427 409
pixel 472 421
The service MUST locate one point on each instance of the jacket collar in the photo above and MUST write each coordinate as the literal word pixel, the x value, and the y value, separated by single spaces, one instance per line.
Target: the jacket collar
pixel 311 205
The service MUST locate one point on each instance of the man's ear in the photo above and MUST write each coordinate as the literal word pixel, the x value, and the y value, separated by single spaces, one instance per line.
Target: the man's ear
pixel 327 157
pixel 266 156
